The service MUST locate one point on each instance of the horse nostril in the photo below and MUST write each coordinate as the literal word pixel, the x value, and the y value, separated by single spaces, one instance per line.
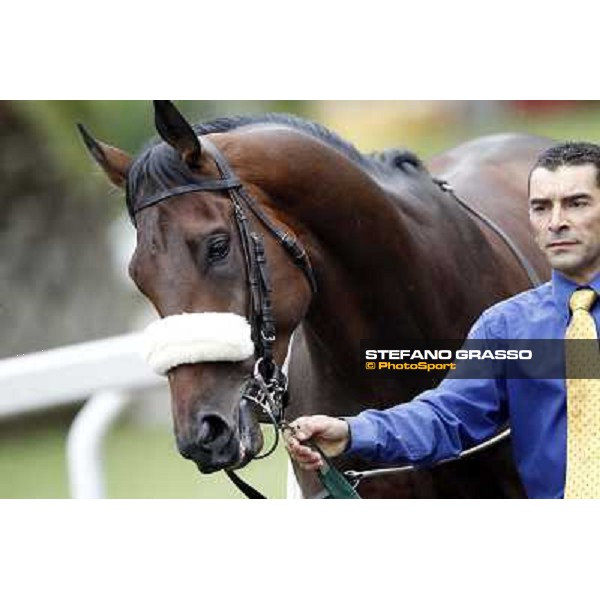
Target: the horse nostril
pixel 210 429
pixel 204 431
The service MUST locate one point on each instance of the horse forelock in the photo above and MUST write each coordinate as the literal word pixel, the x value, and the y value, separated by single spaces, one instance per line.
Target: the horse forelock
pixel 157 169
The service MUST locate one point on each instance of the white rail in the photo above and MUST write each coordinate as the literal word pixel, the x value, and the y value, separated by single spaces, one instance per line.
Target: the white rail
pixel 85 443
pixel 65 375
pixel 104 371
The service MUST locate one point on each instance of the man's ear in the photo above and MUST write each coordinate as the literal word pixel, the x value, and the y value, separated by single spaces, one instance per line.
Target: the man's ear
pixel 114 162
pixel 177 132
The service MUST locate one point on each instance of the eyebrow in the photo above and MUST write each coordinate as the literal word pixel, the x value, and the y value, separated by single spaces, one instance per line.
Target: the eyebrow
pixel 577 196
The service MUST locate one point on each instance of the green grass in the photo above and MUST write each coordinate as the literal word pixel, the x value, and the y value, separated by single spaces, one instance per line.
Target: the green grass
pixel 140 462
pixel 143 463
pixel 32 463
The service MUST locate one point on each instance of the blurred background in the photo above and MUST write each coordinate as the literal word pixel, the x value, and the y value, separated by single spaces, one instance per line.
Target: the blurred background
pixel 65 240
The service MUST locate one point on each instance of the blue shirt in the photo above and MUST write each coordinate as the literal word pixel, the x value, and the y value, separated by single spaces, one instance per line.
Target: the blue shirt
pixel 460 413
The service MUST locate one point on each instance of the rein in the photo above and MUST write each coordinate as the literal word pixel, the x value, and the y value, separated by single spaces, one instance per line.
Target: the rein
pixel 355 477
pixel 534 278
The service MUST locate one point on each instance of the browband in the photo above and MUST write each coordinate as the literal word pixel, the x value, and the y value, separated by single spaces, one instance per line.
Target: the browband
pixel 202 185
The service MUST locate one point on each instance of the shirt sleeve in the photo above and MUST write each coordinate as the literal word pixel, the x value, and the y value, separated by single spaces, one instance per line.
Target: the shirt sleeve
pixel 437 424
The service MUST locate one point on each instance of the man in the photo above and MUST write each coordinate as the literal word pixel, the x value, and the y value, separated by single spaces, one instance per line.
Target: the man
pixel 555 422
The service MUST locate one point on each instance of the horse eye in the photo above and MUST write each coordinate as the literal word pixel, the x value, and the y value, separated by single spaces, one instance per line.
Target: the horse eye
pixel 218 248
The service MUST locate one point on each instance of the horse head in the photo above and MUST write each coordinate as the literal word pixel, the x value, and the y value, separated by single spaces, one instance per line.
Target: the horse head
pixel 214 258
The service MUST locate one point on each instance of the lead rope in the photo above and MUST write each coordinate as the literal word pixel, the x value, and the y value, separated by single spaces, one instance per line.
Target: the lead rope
pixel 336 484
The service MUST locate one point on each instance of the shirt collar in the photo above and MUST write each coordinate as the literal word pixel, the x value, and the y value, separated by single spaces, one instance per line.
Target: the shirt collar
pixel 563 287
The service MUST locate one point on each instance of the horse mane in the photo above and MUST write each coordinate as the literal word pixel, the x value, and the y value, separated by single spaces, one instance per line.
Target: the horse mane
pixel 391 159
pixel 158 167
pixel 224 124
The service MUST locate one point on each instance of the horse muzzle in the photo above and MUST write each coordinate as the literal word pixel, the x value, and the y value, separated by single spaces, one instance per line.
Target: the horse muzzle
pixel 215 443
pixel 206 356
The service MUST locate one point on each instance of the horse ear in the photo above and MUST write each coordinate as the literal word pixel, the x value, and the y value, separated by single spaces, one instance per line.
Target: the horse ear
pixel 177 132
pixel 113 161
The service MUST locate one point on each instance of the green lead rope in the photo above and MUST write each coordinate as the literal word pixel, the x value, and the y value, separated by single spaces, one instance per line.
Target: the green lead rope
pixel 337 486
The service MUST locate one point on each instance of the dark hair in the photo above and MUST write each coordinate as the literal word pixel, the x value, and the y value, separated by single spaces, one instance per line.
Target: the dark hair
pixel 570 154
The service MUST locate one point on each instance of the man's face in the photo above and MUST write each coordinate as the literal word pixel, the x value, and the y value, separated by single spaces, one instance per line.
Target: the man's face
pixel 564 210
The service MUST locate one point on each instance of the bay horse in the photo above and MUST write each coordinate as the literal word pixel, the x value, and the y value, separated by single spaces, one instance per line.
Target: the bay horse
pixel 348 247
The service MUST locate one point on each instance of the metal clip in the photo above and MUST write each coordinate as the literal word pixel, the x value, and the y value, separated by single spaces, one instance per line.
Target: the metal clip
pixel 353 477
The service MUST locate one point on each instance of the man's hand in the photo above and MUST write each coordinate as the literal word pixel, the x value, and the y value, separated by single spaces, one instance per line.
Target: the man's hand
pixel 329 433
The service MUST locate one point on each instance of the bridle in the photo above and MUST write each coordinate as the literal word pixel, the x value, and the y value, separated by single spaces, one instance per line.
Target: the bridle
pixel 267 387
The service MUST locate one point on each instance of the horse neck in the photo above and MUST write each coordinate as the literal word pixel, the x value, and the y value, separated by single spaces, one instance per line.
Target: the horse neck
pixel 385 255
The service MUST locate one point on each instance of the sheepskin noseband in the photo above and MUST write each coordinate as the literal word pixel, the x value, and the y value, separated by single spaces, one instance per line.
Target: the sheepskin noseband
pixel 196 337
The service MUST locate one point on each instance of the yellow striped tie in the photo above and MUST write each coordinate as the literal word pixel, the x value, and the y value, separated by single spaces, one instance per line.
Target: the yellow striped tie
pixel 583 400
